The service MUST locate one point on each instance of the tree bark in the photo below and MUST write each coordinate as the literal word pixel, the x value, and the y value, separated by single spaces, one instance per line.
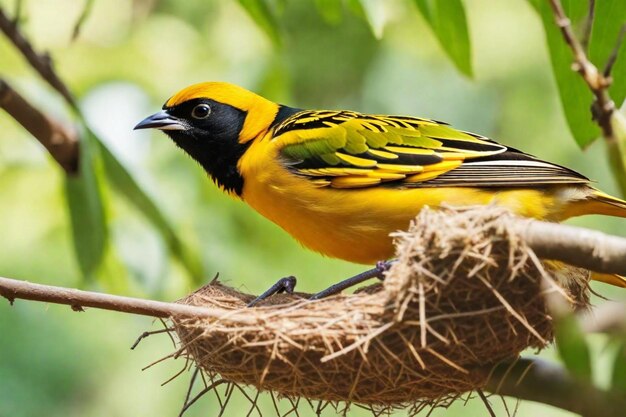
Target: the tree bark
pixel 59 140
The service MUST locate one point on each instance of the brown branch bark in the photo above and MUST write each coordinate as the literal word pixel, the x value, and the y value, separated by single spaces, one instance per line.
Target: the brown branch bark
pixel 526 379
pixel 42 63
pixel 59 140
pixel 12 289
pixel 573 245
pixel 543 382
pixel 611 122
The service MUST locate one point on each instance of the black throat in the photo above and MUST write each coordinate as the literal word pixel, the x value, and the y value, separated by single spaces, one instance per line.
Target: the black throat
pixel 213 142
pixel 219 160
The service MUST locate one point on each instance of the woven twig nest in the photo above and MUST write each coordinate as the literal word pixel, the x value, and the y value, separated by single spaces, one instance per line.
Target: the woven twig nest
pixel 464 295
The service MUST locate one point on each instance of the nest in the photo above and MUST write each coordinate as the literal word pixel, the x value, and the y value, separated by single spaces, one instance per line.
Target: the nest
pixel 464 295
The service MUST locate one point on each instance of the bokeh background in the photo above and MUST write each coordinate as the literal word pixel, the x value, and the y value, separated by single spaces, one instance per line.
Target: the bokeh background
pixel 129 57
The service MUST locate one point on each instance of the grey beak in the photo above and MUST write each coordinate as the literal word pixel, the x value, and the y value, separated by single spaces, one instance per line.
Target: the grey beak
pixel 161 121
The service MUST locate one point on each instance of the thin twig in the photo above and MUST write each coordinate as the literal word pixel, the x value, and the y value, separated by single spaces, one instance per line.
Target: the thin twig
pixel 200 395
pixel 81 19
pixel 165 326
pixel 176 375
pixel 588 25
pixel 598 83
pixel 191 384
pixel 614 53
pixel 42 63
pixel 573 245
pixel 485 401
pixel 150 333
pixel 12 289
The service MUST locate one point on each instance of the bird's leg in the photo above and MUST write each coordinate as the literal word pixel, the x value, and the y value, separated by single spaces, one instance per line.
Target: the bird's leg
pixel 377 272
pixel 286 284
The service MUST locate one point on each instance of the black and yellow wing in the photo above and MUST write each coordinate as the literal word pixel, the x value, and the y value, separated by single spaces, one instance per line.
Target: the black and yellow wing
pixel 345 149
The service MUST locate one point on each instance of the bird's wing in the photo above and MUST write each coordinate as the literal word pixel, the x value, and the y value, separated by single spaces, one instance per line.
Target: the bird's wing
pixel 344 149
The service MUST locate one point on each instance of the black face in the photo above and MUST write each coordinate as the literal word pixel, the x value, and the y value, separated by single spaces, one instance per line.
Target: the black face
pixel 209 132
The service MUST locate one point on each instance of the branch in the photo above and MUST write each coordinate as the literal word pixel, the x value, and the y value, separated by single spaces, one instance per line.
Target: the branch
pixel 61 142
pixel 598 82
pixel 12 289
pixel 573 245
pixel 40 62
pixel 526 379
pixel 543 382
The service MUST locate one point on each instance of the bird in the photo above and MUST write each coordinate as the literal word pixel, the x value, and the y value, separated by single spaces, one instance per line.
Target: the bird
pixel 340 181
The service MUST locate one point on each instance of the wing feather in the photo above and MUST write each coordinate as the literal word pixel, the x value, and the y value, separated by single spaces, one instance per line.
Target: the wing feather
pixel 345 149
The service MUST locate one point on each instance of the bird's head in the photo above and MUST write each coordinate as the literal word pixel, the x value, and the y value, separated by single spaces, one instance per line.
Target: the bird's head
pixel 214 122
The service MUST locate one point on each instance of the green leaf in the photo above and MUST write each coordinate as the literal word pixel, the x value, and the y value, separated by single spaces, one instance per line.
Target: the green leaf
pixel 370 10
pixel 572 347
pixel 330 10
pixel 127 186
pixel 279 7
pixel 618 380
pixel 86 209
pixel 610 16
pixel 356 8
pixel 260 12
pixel 616 149
pixel 576 98
pixel 448 21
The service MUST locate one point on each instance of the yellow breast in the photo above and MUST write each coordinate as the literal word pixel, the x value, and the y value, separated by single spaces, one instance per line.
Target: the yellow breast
pixel 354 224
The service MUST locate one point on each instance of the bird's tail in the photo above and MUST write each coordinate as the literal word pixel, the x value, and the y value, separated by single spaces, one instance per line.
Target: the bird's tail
pixel 597 202
pixel 613 279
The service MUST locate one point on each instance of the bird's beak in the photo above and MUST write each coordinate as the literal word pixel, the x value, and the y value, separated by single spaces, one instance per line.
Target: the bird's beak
pixel 162 121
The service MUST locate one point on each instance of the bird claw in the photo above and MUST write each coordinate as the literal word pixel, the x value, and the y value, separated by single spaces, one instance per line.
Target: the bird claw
pixel 288 284
pixel 285 284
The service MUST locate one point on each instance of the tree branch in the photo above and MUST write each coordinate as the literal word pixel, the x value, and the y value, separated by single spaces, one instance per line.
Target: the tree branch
pixel 611 122
pixel 573 245
pixel 598 82
pixel 526 379
pixel 42 63
pixel 12 289
pixel 543 382
pixel 61 142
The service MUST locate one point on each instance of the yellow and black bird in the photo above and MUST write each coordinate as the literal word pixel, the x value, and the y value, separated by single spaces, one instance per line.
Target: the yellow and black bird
pixel 341 181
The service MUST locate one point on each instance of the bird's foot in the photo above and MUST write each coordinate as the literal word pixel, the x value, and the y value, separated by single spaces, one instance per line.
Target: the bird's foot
pixel 376 272
pixel 286 284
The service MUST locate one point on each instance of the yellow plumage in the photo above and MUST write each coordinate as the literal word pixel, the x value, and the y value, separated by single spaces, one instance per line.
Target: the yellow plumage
pixel 355 224
pixel 340 181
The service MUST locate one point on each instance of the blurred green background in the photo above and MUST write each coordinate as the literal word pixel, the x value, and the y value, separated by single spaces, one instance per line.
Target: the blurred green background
pixel 129 58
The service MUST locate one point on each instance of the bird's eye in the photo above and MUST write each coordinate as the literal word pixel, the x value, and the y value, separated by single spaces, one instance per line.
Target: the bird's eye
pixel 201 111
